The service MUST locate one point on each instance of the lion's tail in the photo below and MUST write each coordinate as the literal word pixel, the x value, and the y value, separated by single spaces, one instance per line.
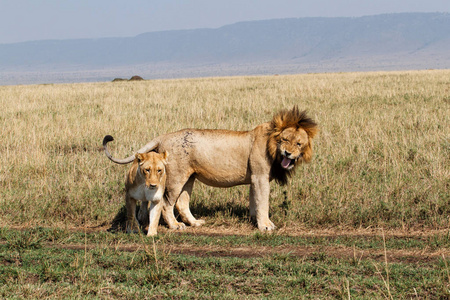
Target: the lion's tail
pixel 147 148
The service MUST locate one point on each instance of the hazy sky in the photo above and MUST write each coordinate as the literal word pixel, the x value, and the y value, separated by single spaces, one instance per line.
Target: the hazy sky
pixel 25 20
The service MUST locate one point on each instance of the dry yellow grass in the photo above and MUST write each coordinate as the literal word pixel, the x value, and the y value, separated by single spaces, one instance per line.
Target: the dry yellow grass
pixel 382 156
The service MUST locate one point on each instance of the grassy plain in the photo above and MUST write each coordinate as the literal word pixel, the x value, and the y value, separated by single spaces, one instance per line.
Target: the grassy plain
pixel 381 165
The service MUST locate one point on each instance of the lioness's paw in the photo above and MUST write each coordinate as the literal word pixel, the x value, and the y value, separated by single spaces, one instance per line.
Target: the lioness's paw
pixel 151 233
pixel 197 223
pixel 132 228
pixel 266 226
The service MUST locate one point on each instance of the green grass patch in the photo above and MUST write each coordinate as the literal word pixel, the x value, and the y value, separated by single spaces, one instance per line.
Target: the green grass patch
pixel 34 264
pixel 35 238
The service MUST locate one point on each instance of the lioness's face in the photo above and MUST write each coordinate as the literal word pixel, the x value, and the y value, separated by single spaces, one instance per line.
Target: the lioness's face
pixel 152 166
pixel 291 146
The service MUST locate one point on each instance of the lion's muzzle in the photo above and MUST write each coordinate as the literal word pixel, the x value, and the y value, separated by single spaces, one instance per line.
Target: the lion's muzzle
pixel 288 160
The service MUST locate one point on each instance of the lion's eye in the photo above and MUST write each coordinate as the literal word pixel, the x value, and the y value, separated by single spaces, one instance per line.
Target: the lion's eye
pixel 299 144
pixel 284 140
pixel 159 171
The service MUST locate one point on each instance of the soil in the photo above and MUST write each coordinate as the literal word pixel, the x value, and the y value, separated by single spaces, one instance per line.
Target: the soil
pixel 419 256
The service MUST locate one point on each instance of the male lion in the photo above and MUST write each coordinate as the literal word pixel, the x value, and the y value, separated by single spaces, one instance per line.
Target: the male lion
pixel 146 181
pixel 224 158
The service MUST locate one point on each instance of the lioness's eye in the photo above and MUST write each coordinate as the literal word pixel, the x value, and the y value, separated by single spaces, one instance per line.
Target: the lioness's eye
pixel 159 171
pixel 299 144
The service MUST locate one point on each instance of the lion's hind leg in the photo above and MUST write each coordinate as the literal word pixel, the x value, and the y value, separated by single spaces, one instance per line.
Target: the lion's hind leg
pixel 169 216
pixel 173 191
pixel 182 205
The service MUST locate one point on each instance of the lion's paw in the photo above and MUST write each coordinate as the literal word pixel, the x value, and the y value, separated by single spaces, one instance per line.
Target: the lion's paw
pixel 197 223
pixel 178 226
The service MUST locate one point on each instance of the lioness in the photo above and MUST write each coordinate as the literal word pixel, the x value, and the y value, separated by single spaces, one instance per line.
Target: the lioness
pixel 224 158
pixel 146 181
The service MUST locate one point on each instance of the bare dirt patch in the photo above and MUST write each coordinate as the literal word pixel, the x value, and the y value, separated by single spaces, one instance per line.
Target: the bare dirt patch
pixel 285 251
pixel 408 256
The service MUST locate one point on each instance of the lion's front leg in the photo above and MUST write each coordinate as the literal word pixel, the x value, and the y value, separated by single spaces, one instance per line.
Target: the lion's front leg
pixel 259 201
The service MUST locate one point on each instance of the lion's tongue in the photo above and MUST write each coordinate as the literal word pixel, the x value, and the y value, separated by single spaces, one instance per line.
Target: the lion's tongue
pixel 285 162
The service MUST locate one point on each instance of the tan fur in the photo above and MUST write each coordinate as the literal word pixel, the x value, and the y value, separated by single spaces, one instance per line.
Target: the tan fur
pixel 224 158
pixel 145 182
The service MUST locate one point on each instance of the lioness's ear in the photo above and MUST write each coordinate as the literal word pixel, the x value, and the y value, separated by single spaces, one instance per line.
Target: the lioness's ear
pixel 139 157
pixel 165 155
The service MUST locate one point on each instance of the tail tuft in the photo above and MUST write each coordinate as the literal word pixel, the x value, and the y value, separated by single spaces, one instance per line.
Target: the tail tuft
pixel 108 138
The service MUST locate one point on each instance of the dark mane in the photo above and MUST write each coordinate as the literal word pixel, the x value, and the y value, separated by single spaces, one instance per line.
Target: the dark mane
pixel 280 175
pixel 282 120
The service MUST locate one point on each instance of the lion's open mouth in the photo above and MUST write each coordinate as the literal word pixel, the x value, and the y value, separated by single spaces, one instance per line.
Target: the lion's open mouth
pixel 287 163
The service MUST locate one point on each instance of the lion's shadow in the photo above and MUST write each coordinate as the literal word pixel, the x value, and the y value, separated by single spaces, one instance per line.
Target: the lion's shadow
pixel 119 222
pixel 198 209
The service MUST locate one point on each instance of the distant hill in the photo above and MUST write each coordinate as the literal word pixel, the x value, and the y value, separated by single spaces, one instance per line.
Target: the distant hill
pixel 381 42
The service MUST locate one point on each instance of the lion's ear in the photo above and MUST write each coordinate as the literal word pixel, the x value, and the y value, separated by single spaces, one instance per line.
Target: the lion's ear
pixel 305 122
pixel 312 131
pixel 278 124
pixel 307 154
